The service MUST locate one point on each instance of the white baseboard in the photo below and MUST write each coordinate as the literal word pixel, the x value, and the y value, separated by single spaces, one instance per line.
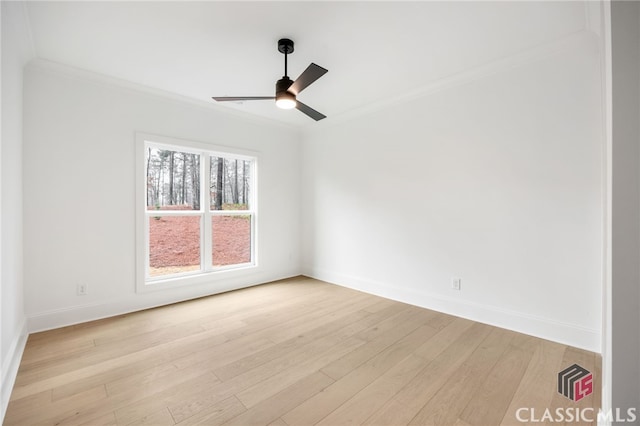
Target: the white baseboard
pixel 561 332
pixel 63 317
pixel 10 367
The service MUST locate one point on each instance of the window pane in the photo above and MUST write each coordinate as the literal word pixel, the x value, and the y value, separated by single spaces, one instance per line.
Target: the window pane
pixel 230 183
pixel 173 180
pixel 174 244
pixel 231 239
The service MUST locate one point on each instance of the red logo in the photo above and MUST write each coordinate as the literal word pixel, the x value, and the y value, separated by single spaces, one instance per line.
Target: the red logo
pixel 575 382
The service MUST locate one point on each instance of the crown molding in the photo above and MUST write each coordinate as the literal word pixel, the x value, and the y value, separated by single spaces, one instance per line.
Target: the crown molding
pixel 102 79
pixel 571 42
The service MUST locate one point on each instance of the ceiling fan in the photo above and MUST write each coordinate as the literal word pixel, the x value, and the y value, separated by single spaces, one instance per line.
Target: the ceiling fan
pixel 287 90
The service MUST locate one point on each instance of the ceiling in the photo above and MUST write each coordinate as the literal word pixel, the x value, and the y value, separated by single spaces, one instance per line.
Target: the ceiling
pixel 373 50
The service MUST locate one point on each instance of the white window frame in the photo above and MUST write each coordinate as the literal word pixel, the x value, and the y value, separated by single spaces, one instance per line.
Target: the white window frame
pixel 207 272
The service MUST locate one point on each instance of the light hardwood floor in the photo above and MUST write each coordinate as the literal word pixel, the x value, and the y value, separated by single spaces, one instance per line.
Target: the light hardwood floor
pixel 294 352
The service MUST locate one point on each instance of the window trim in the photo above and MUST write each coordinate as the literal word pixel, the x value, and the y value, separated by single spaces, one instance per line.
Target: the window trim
pixel 208 273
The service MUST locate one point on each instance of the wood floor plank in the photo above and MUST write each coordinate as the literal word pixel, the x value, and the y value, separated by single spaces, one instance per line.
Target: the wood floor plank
pixel 333 313
pixel 53 349
pixel 119 384
pixel 380 305
pixel 491 401
pixel 278 422
pixel 317 330
pixel 379 337
pixel 403 407
pixel 126 371
pixel 233 350
pixel 280 371
pixel 159 418
pixel 322 404
pixel 272 321
pixel 104 354
pixel 241 346
pixel 391 323
pixel 255 394
pixel 216 414
pixel 57 378
pixel 139 397
pixel 289 353
pixel 155 401
pixel 143 401
pixel 103 420
pixel 364 403
pixel 433 347
pixel 270 409
pixel 538 380
pixel 445 407
pixel 303 305
pixel 56 411
pixel 230 306
pixel 133 372
pixel 23 405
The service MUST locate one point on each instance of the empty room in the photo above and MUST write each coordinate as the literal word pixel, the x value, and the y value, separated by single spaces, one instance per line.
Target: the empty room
pixel 320 213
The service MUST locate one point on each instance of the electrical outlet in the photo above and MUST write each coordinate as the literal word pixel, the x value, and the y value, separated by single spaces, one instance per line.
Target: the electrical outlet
pixel 456 283
pixel 82 289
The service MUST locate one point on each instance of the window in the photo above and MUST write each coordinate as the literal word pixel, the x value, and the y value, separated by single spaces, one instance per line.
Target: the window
pixel 198 214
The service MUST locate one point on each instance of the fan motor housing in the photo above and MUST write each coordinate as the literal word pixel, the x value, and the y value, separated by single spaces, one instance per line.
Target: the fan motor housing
pixel 283 85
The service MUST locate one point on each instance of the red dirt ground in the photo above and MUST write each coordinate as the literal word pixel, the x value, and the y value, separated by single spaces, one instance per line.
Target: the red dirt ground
pixel 174 241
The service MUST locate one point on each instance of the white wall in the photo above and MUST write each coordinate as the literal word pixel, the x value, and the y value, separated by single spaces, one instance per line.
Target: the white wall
pixel 625 303
pixel 79 192
pixel 16 51
pixel 497 181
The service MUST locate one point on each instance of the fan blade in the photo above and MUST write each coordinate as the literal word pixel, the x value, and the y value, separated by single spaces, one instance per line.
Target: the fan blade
pixel 310 111
pixel 242 98
pixel 308 76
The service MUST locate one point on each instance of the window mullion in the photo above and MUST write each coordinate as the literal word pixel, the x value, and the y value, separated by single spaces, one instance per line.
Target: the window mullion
pixel 206 249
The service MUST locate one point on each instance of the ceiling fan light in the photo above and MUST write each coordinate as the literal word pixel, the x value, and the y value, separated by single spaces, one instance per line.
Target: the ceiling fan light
pixel 286 100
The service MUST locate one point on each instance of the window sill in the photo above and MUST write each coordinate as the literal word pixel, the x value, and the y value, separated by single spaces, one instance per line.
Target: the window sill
pixel 193 278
